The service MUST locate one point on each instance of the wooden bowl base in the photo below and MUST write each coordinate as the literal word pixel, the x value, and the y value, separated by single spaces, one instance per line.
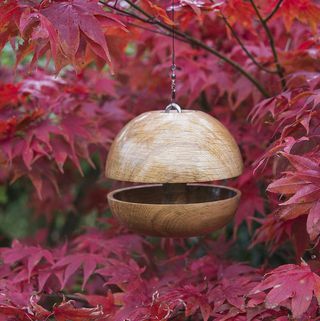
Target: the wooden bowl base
pixel 174 210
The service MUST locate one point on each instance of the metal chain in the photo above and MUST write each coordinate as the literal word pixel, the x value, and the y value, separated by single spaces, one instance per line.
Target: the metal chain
pixel 173 65
pixel 173 105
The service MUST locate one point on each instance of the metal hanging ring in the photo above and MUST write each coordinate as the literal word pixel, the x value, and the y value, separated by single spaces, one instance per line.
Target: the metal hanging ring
pixel 173 106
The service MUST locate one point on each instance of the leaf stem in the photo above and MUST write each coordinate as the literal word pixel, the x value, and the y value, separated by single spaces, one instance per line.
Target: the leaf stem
pixel 202 45
pixel 272 45
pixel 155 31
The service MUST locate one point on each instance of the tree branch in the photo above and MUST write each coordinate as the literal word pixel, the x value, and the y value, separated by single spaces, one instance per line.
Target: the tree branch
pixel 202 45
pixel 124 13
pixel 272 45
pixel 248 53
pixel 166 34
pixel 273 12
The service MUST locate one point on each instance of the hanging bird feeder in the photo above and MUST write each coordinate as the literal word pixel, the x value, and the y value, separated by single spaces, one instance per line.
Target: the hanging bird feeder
pixel 173 152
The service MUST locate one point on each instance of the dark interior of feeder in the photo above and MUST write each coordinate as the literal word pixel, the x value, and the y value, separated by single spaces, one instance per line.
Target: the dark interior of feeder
pixel 175 194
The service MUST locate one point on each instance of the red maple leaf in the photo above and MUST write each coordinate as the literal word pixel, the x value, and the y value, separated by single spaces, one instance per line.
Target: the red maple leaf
pixel 291 283
pixel 31 254
pixel 73 262
pixel 67 311
pixel 305 11
pixel 156 11
pixel 301 185
pixel 8 94
pixel 10 13
pixel 74 31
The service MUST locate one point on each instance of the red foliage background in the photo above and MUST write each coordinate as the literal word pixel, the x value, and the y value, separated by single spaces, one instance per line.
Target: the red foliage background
pixel 82 69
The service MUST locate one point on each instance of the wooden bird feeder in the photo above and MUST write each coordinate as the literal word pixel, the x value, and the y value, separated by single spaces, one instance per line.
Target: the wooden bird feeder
pixel 173 153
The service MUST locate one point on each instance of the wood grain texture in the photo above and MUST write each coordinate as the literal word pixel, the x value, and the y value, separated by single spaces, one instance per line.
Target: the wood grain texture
pixel 159 147
pixel 158 210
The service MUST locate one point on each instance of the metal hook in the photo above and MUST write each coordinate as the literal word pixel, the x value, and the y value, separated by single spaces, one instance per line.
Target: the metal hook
pixel 173 106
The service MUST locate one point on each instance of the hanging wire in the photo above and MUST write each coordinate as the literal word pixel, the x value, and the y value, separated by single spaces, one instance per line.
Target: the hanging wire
pixel 173 63
pixel 173 68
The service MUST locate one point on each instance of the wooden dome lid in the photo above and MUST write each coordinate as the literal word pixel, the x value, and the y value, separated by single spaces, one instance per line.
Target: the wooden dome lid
pixel 160 147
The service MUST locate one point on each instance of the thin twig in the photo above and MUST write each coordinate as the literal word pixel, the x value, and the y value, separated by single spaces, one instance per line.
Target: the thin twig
pixel 124 12
pixel 202 45
pixel 273 12
pixel 248 53
pixel 61 295
pixel 272 45
pixel 167 34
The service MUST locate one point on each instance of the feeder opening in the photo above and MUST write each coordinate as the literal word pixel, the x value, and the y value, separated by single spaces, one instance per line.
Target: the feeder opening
pixel 174 194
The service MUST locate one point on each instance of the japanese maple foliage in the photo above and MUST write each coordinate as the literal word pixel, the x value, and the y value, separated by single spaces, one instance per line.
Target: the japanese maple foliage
pixel 73 73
